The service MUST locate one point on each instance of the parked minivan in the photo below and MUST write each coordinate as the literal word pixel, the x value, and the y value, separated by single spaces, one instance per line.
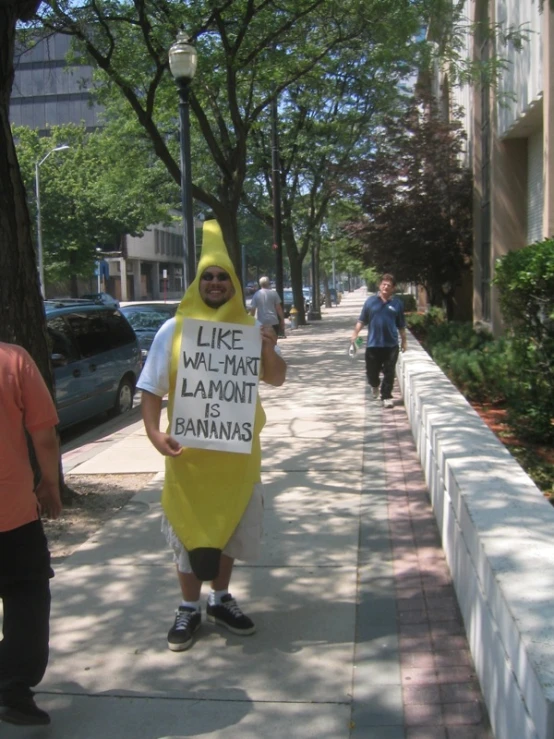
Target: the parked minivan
pixel 96 359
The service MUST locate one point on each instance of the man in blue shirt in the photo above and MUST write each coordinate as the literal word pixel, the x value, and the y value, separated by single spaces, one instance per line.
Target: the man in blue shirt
pixel 383 314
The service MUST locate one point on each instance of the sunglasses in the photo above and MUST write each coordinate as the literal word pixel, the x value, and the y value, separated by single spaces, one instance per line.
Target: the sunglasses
pixel 219 276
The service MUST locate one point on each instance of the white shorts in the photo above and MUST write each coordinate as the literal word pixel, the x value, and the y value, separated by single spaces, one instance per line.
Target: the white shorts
pixel 244 544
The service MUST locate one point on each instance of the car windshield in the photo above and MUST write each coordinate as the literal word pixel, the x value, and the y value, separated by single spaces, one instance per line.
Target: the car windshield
pixel 287 294
pixel 148 318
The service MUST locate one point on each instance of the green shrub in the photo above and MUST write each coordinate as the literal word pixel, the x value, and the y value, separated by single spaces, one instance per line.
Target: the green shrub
pixel 421 323
pixel 470 358
pixel 525 279
pixel 479 370
pixel 518 369
pixel 459 335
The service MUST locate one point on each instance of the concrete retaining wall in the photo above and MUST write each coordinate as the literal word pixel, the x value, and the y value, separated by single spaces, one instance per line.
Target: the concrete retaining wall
pixel 498 535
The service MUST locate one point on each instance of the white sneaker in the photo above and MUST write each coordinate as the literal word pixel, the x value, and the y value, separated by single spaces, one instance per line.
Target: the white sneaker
pixel 387 403
pixel 375 393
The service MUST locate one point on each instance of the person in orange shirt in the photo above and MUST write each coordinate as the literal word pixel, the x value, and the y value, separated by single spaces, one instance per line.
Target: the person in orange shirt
pixel 26 407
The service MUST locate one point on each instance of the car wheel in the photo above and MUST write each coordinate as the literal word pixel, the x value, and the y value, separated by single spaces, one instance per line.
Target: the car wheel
pixel 124 397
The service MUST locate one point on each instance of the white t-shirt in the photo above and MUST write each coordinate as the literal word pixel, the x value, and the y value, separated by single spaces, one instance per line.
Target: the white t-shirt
pixel 266 302
pixel 154 377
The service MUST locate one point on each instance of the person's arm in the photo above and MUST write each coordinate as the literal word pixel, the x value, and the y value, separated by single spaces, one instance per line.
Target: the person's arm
pixel 402 328
pixel 47 452
pixel 151 412
pixel 253 304
pixel 274 366
pixel 357 328
pixel 281 315
pixel 403 341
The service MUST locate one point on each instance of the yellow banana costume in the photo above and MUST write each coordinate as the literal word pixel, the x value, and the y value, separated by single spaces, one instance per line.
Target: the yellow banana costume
pixel 206 492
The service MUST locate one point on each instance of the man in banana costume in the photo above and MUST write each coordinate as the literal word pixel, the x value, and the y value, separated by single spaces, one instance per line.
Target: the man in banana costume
pixel 211 499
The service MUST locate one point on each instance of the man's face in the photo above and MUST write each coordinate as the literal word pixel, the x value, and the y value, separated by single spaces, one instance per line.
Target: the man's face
pixel 216 287
pixel 386 288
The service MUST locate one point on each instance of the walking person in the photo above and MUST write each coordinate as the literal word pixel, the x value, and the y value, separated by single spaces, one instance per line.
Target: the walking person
pixel 206 488
pixel 267 304
pixel 383 314
pixel 25 407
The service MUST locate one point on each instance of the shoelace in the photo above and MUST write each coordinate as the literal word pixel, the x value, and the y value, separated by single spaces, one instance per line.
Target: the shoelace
pixel 231 605
pixel 182 620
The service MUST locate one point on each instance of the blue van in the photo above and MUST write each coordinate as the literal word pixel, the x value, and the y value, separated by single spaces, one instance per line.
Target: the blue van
pixel 95 356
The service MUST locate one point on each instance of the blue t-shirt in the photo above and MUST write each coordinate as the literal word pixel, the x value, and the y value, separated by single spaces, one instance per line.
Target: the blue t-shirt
pixel 383 321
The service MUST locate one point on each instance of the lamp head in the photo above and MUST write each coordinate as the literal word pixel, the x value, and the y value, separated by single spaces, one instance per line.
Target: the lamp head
pixel 183 58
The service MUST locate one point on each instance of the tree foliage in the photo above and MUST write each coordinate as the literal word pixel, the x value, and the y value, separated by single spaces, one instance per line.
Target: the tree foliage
pixel 106 184
pixel 248 53
pixel 416 195
pixel 325 123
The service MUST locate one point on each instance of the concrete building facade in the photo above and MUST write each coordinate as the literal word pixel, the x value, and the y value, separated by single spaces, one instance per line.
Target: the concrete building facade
pixel 510 128
pixel 47 91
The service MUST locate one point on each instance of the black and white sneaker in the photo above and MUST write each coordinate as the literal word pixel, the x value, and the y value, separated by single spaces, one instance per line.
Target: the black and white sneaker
pixel 180 635
pixel 229 615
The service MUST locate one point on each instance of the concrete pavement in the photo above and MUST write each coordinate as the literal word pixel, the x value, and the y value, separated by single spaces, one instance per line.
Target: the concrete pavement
pixel 359 633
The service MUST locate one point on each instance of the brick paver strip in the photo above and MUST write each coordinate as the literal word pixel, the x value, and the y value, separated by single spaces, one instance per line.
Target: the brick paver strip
pixel 441 695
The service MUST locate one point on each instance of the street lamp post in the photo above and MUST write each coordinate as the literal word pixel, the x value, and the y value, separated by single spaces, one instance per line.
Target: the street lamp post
pixel 182 63
pixel 40 253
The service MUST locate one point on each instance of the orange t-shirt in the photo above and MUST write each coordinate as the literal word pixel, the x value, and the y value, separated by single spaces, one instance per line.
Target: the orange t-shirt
pixel 25 403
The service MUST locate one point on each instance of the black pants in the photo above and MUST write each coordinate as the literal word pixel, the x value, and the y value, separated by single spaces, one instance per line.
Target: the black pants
pixel 25 592
pixel 381 359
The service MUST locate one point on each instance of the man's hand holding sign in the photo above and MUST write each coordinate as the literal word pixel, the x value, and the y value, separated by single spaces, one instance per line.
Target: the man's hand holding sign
pixel 217 386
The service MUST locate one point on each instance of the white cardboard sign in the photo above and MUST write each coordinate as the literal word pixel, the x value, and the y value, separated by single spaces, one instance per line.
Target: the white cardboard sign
pixel 217 386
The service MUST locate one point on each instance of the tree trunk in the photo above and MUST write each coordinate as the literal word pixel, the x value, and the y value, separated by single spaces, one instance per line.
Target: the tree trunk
pixel 448 299
pixel 22 319
pixel 295 263
pixel 325 280
pixel 21 303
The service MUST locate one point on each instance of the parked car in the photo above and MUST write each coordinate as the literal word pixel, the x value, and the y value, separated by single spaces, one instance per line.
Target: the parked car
pixel 146 318
pixel 104 298
pixel 288 302
pixel 96 359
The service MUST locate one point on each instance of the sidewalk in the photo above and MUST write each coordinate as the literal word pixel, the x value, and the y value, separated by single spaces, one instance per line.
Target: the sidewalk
pixel 359 634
